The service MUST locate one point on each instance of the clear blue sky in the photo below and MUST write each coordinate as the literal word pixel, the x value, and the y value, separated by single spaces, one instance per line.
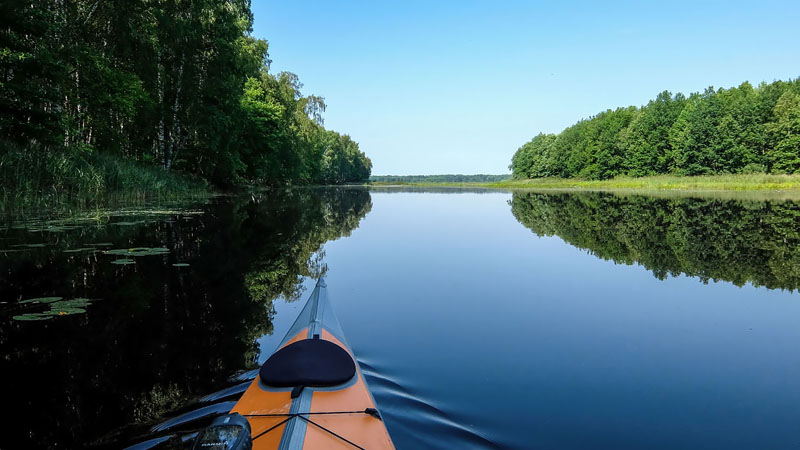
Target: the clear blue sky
pixel 432 87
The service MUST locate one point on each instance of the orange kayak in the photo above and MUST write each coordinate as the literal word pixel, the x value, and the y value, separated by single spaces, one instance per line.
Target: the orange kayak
pixel 310 394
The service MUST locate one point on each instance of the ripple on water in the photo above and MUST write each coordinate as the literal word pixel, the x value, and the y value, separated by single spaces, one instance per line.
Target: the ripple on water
pixel 418 419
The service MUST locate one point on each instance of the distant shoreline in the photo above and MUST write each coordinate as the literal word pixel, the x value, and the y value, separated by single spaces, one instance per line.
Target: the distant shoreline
pixel 739 182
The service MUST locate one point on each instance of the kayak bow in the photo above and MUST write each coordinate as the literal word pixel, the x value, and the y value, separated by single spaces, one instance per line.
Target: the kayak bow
pixel 310 393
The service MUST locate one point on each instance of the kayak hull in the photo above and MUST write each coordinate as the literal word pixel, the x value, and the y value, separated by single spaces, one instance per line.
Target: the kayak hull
pixel 317 417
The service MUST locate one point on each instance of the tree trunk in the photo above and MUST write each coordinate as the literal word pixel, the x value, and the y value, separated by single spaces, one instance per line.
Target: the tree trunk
pixel 173 147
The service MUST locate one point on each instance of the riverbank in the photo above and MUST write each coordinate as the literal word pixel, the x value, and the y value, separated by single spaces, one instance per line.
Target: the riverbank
pixel 69 182
pixel 749 182
pixel 739 182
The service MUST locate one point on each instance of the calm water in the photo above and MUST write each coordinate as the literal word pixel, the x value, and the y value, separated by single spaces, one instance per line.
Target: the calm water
pixel 481 319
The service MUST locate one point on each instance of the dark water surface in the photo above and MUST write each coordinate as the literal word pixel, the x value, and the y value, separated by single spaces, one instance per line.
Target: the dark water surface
pixel 481 319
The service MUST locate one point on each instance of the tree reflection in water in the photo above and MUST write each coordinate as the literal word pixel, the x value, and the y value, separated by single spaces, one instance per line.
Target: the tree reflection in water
pixel 740 241
pixel 156 335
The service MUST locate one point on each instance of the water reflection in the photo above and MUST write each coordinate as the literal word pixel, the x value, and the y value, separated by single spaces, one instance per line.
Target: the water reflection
pixel 740 241
pixel 170 326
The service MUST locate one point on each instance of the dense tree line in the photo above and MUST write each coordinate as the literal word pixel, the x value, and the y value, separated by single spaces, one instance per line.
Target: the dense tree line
pixel 744 129
pixel 741 242
pixel 479 178
pixel 177 84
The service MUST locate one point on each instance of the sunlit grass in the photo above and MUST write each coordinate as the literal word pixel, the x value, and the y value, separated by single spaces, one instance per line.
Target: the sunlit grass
pixel 744 182
pixel 760 184
pixel 63 183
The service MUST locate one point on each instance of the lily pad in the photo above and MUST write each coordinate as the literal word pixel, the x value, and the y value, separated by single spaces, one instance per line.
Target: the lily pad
pixel 123 261
pixel 79 250
pixel 64 311
pixel 33 316
pixel 138 251
pixel 57 306
pixel 41 300
pixel 72 303
pixel 180 265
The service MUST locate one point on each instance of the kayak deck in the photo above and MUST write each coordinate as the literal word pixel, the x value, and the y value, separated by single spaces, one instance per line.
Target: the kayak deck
pixel 306 417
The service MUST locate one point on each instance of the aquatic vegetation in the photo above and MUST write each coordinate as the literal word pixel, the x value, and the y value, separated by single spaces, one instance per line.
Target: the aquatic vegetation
pixel 58 307
pixel 65 181
pixel 80 250
pixel 126 216
pixel 40 300
pixel 33 316
pixel 123 262
pixel 128 223
pixel 67 307
pixel 52 228
pixel 138 251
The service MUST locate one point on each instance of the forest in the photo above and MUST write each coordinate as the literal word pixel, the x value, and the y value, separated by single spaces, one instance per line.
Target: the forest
pixel 96 96
pixel 744 129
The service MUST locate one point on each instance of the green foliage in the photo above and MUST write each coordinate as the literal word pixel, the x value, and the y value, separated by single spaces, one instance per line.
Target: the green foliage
pixel 284 141
pixel 65 178
pixel 646 140
pixel 534 159
pixel 726 131
pixel 29 74
pixel 180 85
pixel 784 156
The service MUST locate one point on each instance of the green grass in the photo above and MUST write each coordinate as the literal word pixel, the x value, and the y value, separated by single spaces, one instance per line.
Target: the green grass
pixel 64 182
pixel 743 182
pixel 748 182
pixel 744 186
